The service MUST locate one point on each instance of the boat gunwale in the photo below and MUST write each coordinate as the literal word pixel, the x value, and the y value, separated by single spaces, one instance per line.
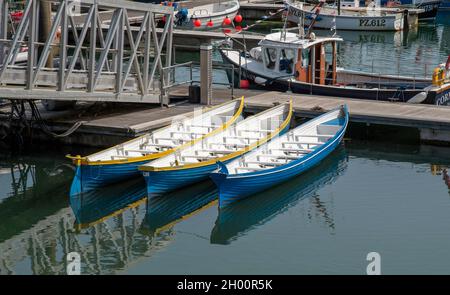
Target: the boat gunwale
pixel 84 161
pixel 299 160
pixel 146 168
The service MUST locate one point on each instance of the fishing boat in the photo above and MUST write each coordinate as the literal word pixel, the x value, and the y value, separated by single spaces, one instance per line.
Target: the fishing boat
pixel 193 163
pixel 247 215
pixel 282 158
pixel 121 161
pixel 207 17
pixel 304 63
pixel 430 7
pixel 345 19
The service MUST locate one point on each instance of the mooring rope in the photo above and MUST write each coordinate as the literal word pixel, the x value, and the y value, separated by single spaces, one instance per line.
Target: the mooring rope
pixel 36 116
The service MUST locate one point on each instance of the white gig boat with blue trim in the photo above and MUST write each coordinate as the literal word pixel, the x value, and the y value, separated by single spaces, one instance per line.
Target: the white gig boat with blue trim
pixel 282 158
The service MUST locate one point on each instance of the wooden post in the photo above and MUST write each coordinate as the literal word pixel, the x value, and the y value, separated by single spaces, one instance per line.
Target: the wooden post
pixel 206 73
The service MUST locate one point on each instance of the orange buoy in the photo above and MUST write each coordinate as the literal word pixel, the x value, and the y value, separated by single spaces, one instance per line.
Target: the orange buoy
pixel 197 23
pixel 244 84
pixel 227 21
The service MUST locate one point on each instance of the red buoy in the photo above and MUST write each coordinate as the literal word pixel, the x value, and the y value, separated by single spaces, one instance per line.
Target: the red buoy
pixel 164 19
pixel 238 28
pixel 227 21
pixel 226 31
pixel 197 23
pixel 244 84
pixel 210 23
pixel 238 18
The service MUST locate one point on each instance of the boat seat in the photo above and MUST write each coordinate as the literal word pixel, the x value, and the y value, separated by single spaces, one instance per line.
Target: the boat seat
pixel 198 157
pixel 172 139
pixel 302 142
pixel 314 135
pixel 244 138
pixel 186 132
pixel 206 126
pixel 249 168
pixel 218 152
pixel 140 151
pixel 267 163
pixel 297 151
pixel 228 144
pixel 158 145
pixel 278 157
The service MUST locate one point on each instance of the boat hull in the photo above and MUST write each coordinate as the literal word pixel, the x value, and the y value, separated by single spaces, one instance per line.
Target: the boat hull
pixel 235 187
pixel 89 177
pixel 390 22
pixel 160 182
pixel 403 93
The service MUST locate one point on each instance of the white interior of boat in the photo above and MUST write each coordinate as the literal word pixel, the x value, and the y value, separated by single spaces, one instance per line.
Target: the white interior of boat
pixel 293 145
pixel 181 131
pixel 236 137
pixel 214 9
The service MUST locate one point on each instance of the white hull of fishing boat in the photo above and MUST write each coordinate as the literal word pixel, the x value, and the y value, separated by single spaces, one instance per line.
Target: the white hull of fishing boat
pixel 214 12
pixel 347 20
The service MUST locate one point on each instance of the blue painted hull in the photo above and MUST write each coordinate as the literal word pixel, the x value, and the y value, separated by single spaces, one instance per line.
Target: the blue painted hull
pixel 89 177
pixel 235 187
pixel 96 204
pixel 160 182
pixel 250 213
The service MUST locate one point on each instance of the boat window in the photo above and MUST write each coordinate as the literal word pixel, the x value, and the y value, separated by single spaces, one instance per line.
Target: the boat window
pixel 328 62
pixel 271 57
pixel 287 61
pixel 305 57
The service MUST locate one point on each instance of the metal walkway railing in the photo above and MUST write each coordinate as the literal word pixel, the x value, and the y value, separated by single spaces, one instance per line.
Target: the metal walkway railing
pixel 94 60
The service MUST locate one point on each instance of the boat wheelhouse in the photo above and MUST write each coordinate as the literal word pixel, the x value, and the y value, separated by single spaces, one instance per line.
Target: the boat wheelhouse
pixel 311 60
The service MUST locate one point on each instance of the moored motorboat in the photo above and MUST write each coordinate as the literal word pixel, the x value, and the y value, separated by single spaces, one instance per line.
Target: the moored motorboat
pixel 207 17
pixel 345 19
pixel 282 158
pixel 193 163
pixel 121 161
pixel 308 64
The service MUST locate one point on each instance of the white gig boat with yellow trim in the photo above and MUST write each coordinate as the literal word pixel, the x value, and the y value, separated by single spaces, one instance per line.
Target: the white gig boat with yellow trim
pixel 194 163
pixel 122 161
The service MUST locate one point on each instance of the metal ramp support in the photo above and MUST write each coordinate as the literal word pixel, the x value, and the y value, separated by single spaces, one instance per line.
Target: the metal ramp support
pixel 96 60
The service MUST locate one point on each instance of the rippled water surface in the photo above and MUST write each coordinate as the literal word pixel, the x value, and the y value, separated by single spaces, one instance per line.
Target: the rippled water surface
pixel 365 197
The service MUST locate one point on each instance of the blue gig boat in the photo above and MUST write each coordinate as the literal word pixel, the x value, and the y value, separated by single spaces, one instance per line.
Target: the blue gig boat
pixel 282 158
pixel 194 163
pixel 121 162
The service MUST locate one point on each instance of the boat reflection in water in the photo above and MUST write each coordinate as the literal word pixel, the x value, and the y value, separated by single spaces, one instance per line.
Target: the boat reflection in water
pixel 241 217
pixel 95 206
pixel 165 210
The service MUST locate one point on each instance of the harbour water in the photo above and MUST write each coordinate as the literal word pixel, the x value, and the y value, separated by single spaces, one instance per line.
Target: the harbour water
pixel 388 198
pixel 367 197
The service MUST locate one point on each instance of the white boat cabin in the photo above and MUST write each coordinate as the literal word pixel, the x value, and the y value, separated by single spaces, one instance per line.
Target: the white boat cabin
pixel 310 60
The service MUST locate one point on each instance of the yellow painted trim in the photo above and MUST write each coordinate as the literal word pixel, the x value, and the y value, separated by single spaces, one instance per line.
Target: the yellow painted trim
pixel 229 156
pixel 77 160
pixel 80 226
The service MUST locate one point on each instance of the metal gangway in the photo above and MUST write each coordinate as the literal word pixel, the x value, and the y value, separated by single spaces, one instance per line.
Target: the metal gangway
pixel 95 59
